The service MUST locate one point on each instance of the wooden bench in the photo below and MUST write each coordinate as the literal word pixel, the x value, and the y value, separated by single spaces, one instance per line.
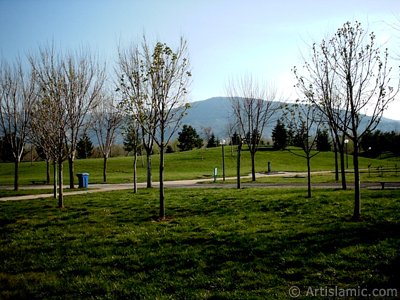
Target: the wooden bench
pixel 383 183
pixel 38 181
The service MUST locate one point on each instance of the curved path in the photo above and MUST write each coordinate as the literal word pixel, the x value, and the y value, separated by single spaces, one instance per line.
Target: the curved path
pixel 193 183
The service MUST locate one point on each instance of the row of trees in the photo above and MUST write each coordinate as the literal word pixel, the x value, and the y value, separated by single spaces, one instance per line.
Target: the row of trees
pixel 58 97
pixel 345 77
pixel 283 137
pixel 51 102
pixel 378 142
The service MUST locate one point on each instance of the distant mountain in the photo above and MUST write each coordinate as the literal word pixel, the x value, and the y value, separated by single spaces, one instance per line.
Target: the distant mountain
pixel 216 113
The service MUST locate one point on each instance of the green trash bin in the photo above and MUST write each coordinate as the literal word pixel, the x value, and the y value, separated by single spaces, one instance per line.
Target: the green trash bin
pixel 83 180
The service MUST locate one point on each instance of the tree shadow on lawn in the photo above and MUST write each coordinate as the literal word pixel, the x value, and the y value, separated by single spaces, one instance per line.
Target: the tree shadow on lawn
pixel 356 256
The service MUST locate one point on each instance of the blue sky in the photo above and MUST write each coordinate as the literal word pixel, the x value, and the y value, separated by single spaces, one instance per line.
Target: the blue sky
pixel 227 38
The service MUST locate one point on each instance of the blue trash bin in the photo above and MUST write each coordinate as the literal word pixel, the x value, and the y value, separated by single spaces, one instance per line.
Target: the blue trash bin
pixel 83 180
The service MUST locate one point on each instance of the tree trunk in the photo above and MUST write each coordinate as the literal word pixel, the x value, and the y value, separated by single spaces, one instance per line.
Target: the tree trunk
pixel 308 176
pixel 149 173
pixel 16 176
pixel 47 171
pixel 342 168
pixel 357 192
pixel 60 184
pixel 71 171
pixel 135 172
pixel 105 168
pixel 253 165
pixel 335 149
pixel 238 166
pixel 162 205
pixel 55 179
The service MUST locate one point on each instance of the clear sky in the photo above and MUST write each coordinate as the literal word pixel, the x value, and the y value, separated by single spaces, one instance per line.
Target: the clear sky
pixel 226 38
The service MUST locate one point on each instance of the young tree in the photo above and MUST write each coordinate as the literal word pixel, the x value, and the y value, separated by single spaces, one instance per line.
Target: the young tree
pixel 133 85
pixel 302 120
pixel 48 123
pixel 362 82
pixel 280 136
pixel 321 87
pixel 160 79
pixel 253 108
pixel 83 83
pixel 189 139
pixel 106 119
pixel 49 119
pixel 132 142
pixel 17 96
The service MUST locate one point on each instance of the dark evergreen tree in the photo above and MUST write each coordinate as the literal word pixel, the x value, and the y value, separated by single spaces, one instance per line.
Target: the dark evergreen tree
pixel 189 139
pixel 235 140
pixel 322 142
pixel 84 147
pixel 280 136
pixel 212 142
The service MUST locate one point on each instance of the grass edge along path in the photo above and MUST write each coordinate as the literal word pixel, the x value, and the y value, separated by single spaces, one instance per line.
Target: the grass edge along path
pixel 250 244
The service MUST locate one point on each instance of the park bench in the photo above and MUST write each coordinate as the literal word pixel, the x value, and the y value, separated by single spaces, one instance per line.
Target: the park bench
pixel 38 181
pixel 391 183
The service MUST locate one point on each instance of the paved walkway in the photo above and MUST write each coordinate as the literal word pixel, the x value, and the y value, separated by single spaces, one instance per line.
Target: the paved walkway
pixel 193 183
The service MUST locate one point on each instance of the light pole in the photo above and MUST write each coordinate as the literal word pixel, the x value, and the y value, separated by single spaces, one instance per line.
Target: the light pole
pixel 223 159
pixel 346 141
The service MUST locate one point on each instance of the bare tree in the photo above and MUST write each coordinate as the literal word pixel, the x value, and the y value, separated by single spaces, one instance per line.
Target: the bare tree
pixel 17 95
pixel 47 130
pixel 106 118
pixel 321 87
pixel 83 82
pixel 49 121
pixel 161 80
pixel 362 83
pixel 253 108
pixel 133 85
pixel 304 120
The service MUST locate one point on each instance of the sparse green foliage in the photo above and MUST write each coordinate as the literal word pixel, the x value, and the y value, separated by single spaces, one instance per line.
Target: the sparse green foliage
pixel 153 84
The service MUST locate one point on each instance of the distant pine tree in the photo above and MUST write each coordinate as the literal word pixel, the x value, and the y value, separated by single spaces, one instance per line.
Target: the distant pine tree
pixel 322 142
pixel 212 142
pixel 84 147
pixel 189 139
pixel 280 136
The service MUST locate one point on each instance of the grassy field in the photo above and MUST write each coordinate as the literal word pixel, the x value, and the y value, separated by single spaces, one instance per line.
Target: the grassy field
pixel 215 244
pixel 185 165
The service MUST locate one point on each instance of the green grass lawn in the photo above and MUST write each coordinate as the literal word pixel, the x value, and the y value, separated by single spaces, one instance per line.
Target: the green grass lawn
pixel 184 165
pixel 216 243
